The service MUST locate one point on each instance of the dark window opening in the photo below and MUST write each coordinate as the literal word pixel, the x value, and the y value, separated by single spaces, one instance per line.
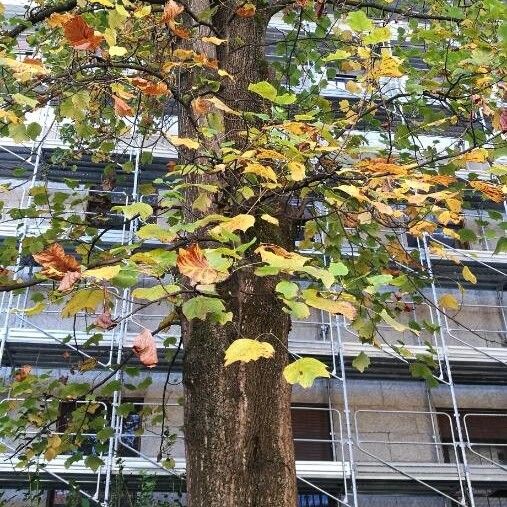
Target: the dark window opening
pixel 482 427
pixel 311 428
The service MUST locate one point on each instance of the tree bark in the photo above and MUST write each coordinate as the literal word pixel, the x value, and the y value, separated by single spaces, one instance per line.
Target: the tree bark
pixel 238 434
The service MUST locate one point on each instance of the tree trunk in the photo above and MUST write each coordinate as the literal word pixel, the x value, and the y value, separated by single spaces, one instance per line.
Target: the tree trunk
pixel 237 418
pixel 239 447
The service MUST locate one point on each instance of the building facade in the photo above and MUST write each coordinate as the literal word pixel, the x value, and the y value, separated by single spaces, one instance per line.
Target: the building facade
pixel 375 439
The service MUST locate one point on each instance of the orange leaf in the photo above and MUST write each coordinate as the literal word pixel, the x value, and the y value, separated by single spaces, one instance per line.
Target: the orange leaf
pixel 193 264
pixel 121 108
pixel 22 373
pixel 56 262
pixel 489 190
pixel 145 349
pixel 246 11
pixel 149 87
pixel 81 35
pixel 57 20
pixel 69 280
pixel 171 10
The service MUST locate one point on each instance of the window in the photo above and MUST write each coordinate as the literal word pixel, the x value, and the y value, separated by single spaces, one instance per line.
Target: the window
pixel 485 430
pixel 311 428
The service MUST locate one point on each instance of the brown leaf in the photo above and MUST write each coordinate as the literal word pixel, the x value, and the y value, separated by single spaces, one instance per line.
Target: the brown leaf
pixel 171 10
pixel 193 264
pixel 503 120
pixel 145 349
pixel 201 106
pixel 121 108
pixel 104 320
pixel 22 373
pixel 69 280
pixel 179 30
pixel 150 88
pixel 87 365
pixel 246 11
pixel 81 35
pixel 56 262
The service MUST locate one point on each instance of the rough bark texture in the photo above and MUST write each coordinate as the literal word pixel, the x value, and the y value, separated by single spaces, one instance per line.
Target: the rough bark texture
pixel 239 444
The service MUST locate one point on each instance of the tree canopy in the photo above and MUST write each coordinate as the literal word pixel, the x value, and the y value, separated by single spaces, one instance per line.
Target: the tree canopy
pixel 272 179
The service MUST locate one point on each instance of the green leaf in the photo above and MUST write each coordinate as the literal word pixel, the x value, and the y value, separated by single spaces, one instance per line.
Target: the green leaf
pixel 17 132
pixel 298 310
pixel 339 54
pixel 288 289
pixel 93 462
pixel 378 34
pixel 202 306
pixel 33 130
pixel 141 209
pixel 361 362
pixel 264 89
pixel 285 99
pixel 105 434
pixel 110 388
pixel 155 292
pixel 23 100
pixel 338 269
pixel 125 409
pixel 154 231
pixel 304 371
pixel 501 246
pixel 82 300
pixel 358 21
pixel 246 350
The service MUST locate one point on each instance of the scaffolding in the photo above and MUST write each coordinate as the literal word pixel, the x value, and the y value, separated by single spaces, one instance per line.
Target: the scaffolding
pixel 452 470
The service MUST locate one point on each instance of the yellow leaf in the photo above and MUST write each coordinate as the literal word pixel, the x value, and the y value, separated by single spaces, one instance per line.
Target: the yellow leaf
pixel 469 276
pixel 50 454
pixel 120 9
pixel 105 3
pixel 239 222
pixel 449 302
pixel 398 326
pixel 297 170
pixel 270 219
pixel 117 51
pixel 278 257
pixel 191 144
pixel 329 305
pixel 214 40
pixel 224 73
pixel 246 350
pixel 304 371
pixel 221 106
pixel 387 66
pixel 353 87
pixel 104 273
pixel 353 192
pixel 33 310
pixel 144 11
pixel 263 171
pixel 84 299
pixel 478 155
